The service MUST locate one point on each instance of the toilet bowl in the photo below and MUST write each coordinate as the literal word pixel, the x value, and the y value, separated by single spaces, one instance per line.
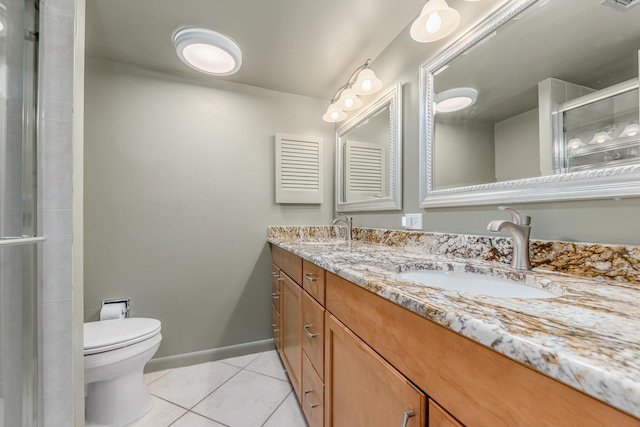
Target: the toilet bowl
pixel 115 352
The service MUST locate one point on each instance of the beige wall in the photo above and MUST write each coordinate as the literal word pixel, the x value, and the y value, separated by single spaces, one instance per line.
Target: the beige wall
pixel 600 221
pixel 179 191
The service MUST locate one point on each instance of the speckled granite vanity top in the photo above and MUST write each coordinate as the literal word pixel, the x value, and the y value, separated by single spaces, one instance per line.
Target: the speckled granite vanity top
pixel 587 337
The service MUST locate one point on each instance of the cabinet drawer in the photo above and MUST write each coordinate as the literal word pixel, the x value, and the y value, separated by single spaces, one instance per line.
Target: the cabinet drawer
pixel 291 326
pixel 312 394
pixel 438 417
pixel 287 262
pixel 275 327
pixel 313 280
pixel 313 332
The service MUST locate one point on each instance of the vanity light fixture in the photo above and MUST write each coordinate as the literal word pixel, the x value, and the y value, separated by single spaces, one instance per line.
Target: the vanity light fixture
pixel 600 137
pixel 456 99
pixel 208 51
pixel 436 21
pixel 363 81
pixel 575 143
pixel 632 129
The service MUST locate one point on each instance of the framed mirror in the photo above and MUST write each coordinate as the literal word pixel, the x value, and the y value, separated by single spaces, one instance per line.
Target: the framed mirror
pixel 539 102
pixel 369 157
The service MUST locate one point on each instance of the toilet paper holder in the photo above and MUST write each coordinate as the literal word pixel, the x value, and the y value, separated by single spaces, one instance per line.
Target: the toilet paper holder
pixel 126 301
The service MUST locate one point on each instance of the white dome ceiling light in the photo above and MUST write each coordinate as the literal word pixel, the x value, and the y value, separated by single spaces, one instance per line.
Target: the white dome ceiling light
pixel 208 51
pixel 456 99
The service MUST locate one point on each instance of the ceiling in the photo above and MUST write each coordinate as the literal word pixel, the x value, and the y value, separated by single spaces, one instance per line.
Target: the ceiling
pixel 305 47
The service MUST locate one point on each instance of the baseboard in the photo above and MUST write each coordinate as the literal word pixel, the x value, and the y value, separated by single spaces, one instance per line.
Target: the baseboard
pixel 187 359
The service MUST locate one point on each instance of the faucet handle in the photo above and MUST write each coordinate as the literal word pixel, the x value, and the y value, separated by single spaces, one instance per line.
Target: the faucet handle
pixel 517 217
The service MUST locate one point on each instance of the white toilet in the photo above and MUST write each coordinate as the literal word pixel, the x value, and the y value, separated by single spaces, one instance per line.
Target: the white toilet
pixel 115 352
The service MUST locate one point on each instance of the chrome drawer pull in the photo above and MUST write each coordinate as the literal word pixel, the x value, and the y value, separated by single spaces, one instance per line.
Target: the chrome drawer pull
pixel 280 279
pixel 311 405
pixel 405 418
pixel 310 277
pixel 274 274
pixel 275 294
pixel 307 333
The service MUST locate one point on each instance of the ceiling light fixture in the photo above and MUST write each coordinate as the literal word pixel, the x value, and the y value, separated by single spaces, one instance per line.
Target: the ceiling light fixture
pixel 456 99
pixel 437 20
pixel 575 143
pixel 363 81
pixel 208 51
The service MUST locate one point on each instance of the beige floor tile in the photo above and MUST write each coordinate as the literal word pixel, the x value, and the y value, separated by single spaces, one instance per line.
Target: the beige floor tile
pixel 194 420
pixel 247 399
pixel 289 414
pixel 189 385
pixel 269 363
pixel 241 361
pixel 162 414
pixel 152 376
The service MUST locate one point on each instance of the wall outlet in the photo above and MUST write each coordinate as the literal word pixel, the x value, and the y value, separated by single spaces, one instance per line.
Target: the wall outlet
pixel 412 221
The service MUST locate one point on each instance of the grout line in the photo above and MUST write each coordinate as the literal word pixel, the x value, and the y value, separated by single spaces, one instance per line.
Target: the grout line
pixel 276 410
pixel 166 371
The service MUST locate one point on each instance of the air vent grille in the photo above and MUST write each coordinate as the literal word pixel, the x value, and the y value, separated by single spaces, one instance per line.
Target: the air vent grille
pixel 298 169
pixel 365 170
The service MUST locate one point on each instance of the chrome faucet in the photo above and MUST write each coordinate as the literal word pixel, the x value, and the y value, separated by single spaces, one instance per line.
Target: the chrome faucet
pixel 347 222
pixel 520 228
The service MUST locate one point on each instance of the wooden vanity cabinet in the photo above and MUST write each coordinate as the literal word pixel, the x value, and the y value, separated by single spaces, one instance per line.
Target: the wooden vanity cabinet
pixel 438 417
pixel 313 278
pixel 275 306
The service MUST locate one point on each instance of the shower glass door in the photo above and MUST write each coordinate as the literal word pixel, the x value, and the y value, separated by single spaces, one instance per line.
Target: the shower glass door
pixel 18 234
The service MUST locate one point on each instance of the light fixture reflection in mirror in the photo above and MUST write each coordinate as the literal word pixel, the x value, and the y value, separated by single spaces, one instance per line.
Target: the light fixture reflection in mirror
pixel 456 99
pixel 632 129
pixel 600 138
pixel 575 143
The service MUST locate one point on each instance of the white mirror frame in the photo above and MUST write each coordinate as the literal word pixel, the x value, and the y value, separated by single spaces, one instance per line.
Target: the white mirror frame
pixel 394 202
pixel 613 182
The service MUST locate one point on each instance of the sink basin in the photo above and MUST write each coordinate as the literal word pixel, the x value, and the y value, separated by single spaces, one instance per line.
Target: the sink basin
pixel 477 284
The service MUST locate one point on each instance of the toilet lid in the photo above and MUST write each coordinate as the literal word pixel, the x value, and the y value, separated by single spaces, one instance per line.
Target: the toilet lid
pixel 108 335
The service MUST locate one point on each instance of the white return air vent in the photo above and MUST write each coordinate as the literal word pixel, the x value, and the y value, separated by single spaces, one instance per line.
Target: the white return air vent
pixel 621 5
pixel 299 176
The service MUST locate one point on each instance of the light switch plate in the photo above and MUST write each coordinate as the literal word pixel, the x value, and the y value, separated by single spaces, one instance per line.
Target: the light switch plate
pixel 412 221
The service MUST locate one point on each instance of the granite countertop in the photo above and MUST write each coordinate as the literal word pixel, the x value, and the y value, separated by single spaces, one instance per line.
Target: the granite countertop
pixel 588 337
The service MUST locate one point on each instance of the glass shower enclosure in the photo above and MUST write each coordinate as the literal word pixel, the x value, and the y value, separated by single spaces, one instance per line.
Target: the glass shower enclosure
pixel 18 220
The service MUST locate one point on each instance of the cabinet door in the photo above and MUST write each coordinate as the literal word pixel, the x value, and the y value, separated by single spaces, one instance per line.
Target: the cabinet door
pixel 291 329
pixel 313 332
pixel 438 417
pixel 361 388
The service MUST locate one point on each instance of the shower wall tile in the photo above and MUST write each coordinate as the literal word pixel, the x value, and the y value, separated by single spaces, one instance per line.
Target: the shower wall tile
pixel 57 170
pixel 57 32
pixel 56 260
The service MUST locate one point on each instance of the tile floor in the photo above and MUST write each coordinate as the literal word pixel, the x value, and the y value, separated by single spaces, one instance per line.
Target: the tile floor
pixel 244 391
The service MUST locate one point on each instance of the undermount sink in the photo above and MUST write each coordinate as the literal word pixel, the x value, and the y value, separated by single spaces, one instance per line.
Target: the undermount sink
pixel 477 284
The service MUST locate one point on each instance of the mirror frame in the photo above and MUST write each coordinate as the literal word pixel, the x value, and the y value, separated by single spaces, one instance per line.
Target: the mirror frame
pixel 392 98
pixel 613 182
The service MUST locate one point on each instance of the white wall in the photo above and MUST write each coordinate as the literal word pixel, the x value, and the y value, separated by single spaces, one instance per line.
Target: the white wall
pixel 517 147
pixel 179 191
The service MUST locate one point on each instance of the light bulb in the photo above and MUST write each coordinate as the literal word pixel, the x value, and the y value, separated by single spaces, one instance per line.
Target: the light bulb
pixel 434 23
pixel 575 143
pixel 367 85
pixel 335 115
pixel 348 102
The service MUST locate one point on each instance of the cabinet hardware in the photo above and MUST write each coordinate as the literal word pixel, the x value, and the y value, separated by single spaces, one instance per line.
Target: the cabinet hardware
pixel 310 277
pixel 276 330
pixel 275 294
pixel 405 418
pixel 280 279
pixel 311 405
pixel 274 274
pixel 307 333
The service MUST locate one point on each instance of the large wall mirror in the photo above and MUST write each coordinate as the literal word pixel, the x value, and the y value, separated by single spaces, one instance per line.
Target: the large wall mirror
pixel 538 102
pixel 369 157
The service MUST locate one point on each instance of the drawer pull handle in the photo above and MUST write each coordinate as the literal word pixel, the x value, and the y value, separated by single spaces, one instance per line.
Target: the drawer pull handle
pixel 309 404
pixel 274 274
pixel 310 277
pixel 276 330
pixel 307 333
pixel 405 418
pixel 280 279
pixel 275 294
